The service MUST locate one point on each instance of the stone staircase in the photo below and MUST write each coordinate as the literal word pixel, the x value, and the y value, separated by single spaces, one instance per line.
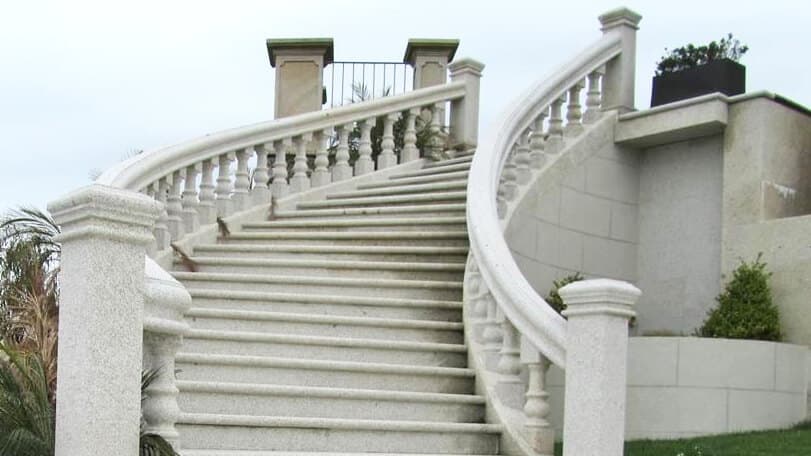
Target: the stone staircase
pixel 336 328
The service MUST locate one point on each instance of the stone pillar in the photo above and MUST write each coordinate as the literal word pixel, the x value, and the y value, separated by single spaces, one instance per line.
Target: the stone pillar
pixel 105 232
pixel 430 58
pixel 618 82
pixel 596 365
pixel 299 64
pixel 464 129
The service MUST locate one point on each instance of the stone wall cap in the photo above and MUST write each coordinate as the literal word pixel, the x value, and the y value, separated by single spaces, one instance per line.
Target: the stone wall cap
pixel 599 291
pixel 430 44
pixel 277 44
pixel 620 16
pixel 466 63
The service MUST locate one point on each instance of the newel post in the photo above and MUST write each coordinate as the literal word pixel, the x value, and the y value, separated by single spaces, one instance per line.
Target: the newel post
pixel 618 82
pixel 464 128
pixel 299 64
pixel 596 363
pixel 105 232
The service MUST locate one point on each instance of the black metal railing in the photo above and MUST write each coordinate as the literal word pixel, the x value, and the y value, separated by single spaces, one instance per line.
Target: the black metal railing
pixel 351 82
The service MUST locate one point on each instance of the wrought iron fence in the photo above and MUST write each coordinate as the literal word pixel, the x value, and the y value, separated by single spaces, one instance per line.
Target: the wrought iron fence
pixel 351 82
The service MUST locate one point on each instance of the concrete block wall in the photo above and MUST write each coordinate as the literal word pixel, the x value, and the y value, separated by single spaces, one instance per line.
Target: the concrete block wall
pixel 686 386
pixel 581 216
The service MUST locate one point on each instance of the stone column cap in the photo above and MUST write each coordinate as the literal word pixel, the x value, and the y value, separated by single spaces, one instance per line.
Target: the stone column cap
pixel 325 45
pixel 599 296
pixel 618 17
pixel 466 64
pixel 437 45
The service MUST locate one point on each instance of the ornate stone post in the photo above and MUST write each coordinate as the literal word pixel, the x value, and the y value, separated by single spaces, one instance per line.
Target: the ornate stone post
pixel 166 301
pixel 299 64
pixel 464 128
pixel 105 232
pixel 596 365
pixel 618 82
pixel 430 58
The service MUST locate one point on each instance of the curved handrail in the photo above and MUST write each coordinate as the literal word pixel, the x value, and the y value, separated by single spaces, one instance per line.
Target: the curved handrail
pixel 521 304
pixel 139 171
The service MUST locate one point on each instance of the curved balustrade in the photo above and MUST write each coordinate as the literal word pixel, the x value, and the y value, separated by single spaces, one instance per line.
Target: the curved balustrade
pixel 508 321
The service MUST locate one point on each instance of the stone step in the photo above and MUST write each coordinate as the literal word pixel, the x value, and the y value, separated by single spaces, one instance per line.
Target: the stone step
pixel 403 190
pixel 366 238
pixel 326 325
pixel 436 170
pixel 319 402
pixel 330 268
pixel 303 251
pixel 415 180
pixel 349 306
pixel 216 342
pixel 326 373
pixel 450 161
pixel 456 223
pixel 422 210
pixel 432 197
pixel 386 288
pixel 212 431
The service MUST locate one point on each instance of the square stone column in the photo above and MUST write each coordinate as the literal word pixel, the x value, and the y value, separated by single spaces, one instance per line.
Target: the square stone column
pixel 105 232
pixel 299 65
pixel 430 58
pixel 465 111
pixel 618 82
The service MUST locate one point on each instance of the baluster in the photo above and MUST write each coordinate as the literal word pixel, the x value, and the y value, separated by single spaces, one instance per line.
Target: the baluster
pixel 191 222
pixel 509 387
pixel 491 333
pixel 321 175
pixel 242 182
pixel 437 141
pixel 279 186
pixel 341 170
pixel 510 177
pixel 300 182
pixel 593 97
pixel 387 159
pixel 224 185
pixel 536 142
pixel 410 151
pixel 260 194
pixel 501 201
pixel 162 238
pixel 478 289
pixel 539 431
pixel 364 163
pixel 152 248
pixel 554 141
pixel 573 112
pixel 522 158
pixel 207 210
pixel 174 207
pixel 159 408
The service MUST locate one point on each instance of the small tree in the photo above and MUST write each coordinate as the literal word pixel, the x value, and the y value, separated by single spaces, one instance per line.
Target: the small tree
pixel 554 299
pixel 745 309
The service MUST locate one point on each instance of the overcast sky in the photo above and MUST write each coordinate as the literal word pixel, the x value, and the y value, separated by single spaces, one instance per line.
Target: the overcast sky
pixel 84 83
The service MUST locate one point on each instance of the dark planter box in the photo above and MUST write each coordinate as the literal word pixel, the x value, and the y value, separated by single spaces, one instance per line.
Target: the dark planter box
pixel 723 76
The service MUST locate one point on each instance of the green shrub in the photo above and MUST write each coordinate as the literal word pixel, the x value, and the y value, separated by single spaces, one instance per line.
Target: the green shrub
pixel 691 56
pixel 554 298
pixel 745 309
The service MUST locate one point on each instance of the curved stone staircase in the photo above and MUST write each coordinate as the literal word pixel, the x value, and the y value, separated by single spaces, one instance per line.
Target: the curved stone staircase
pixel 336 328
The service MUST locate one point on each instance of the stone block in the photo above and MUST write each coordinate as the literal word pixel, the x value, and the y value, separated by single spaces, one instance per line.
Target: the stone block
pixel 624 222
pixel 791 370
pixel 608 258
pixel 652 361
pixel 584 213
pixel 548 205
pixel 675 412
pixel 548 243
pixel 727 363
pixel 759 410
pixel 613 180
pixel 570 252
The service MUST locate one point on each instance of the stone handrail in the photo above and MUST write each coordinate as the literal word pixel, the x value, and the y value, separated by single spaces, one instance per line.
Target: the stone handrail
pixel 512 328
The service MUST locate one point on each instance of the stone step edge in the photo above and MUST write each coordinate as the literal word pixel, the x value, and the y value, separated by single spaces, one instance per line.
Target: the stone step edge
pixel 229 314
pixel 353 235
pixel 343 342
pixel 342 249
pixel 429 171
pixel 400 189
pixel 448 162
pixel 320 364
pixel 329 264
pixel 258 389
pixel 323 299
pixel 415 180
pixel 432 196
pixel 372 210
pixel 337 424
pixel 351 222
pixel 309 280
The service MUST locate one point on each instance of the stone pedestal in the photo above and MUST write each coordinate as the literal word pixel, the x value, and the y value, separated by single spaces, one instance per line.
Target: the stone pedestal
pixel 430 58
pixel 464 129
pixel 105 232
pixel 618 82
pixel 299 65
pixel 596 365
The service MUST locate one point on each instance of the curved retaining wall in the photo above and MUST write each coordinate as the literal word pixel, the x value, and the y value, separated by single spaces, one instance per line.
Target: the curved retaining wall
pixel 690 386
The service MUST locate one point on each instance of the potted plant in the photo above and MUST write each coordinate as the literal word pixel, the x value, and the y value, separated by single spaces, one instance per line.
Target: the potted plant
pixel 690 71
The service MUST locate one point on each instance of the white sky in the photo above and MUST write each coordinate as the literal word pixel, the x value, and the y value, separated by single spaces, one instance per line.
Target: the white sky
pixel 83 83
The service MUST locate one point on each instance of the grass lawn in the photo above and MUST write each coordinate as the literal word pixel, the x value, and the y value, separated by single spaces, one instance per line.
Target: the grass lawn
pixel 790 442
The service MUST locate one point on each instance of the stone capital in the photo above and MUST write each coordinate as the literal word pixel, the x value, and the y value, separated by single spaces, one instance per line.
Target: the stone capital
pixel 300 47
pixel 466 66
pixel 620 17
pixel 599 297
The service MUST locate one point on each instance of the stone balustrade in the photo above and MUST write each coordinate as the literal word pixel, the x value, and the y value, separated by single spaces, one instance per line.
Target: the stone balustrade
pixel 513 334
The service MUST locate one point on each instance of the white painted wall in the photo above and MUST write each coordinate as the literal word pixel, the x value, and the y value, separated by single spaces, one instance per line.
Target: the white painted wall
pixel 679 234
